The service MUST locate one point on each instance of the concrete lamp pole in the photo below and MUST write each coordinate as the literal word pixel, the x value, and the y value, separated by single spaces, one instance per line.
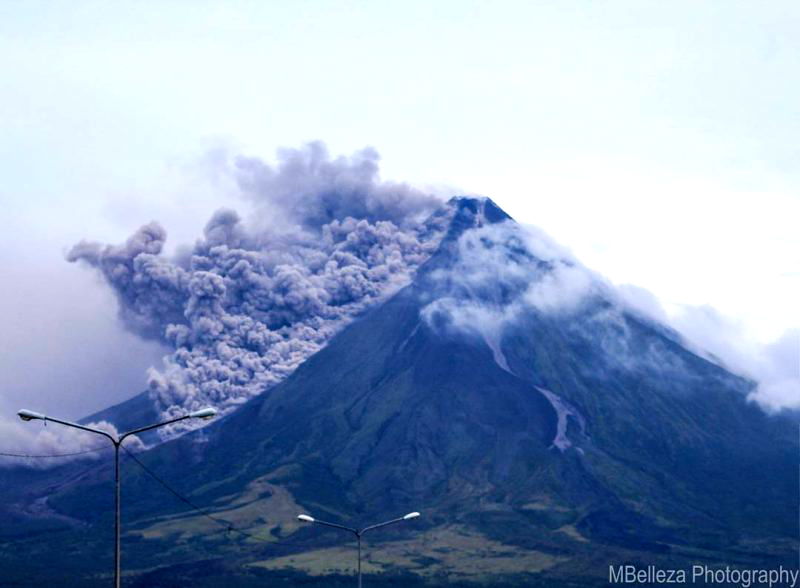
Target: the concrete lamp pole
pixel 28 415
pixel 357 532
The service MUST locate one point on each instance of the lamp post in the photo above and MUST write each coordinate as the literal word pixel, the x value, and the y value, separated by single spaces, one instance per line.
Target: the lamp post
pixel 357 532
pixel 29 415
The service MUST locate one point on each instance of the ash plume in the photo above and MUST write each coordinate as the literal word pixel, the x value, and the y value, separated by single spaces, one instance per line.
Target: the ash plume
pixel 251 301
pixel 311 189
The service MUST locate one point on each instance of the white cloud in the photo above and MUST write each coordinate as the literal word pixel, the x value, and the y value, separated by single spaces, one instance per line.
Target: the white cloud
pixel 500 270
pixel 775 365
pixel 34 438
pixel 562 288
pixel 494 280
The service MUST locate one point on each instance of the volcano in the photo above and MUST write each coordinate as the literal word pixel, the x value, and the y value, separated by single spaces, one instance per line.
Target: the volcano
pixel 544 429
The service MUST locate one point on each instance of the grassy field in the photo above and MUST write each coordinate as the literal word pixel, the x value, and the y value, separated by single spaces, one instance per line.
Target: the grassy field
pixel 451 550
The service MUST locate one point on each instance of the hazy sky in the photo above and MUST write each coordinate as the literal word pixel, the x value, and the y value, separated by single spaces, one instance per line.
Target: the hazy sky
pixel 657 140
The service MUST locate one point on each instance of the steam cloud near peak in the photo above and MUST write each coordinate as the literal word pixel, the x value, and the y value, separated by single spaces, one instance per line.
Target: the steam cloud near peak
pixel 250 302
pixel 503 270
pixel 499 271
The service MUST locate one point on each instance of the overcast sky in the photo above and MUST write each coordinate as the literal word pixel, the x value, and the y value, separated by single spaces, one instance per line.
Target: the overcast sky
pixel 656 140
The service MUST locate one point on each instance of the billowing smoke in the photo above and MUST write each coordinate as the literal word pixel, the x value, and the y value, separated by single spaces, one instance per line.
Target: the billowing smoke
pixel 149 288
pixel 310 189
pixel 253 298
pixel 251 301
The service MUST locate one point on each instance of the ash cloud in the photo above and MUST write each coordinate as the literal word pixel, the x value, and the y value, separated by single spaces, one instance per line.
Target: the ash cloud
pixel 311 189
pixel 256 296
pixel 148 287
pixel 250 301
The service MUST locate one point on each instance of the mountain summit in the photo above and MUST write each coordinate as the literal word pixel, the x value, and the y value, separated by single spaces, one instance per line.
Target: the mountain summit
pixel 538 424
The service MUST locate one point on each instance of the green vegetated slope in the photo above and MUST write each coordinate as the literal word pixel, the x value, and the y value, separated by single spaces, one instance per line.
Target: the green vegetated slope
pixel 573 441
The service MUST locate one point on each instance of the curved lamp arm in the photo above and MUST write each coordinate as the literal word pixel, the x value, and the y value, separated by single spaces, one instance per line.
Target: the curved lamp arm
pixel 205 414
pixel 409 516
pixel 29 415
pixel 310 519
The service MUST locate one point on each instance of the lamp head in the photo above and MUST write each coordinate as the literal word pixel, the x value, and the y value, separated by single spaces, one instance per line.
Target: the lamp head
pixel 204 413
pixel 411 515
pixel 305 518
pixel 29 415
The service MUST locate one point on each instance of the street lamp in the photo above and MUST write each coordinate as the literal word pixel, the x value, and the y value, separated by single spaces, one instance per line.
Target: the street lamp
pixel 357 532
pixel 29 415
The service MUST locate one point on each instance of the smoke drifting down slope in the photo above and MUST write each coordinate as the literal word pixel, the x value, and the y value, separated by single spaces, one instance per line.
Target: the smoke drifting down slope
pixel 246 306
pixel 250 301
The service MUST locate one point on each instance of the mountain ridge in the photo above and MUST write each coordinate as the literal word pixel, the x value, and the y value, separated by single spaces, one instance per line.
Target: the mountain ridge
pixel 580 435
